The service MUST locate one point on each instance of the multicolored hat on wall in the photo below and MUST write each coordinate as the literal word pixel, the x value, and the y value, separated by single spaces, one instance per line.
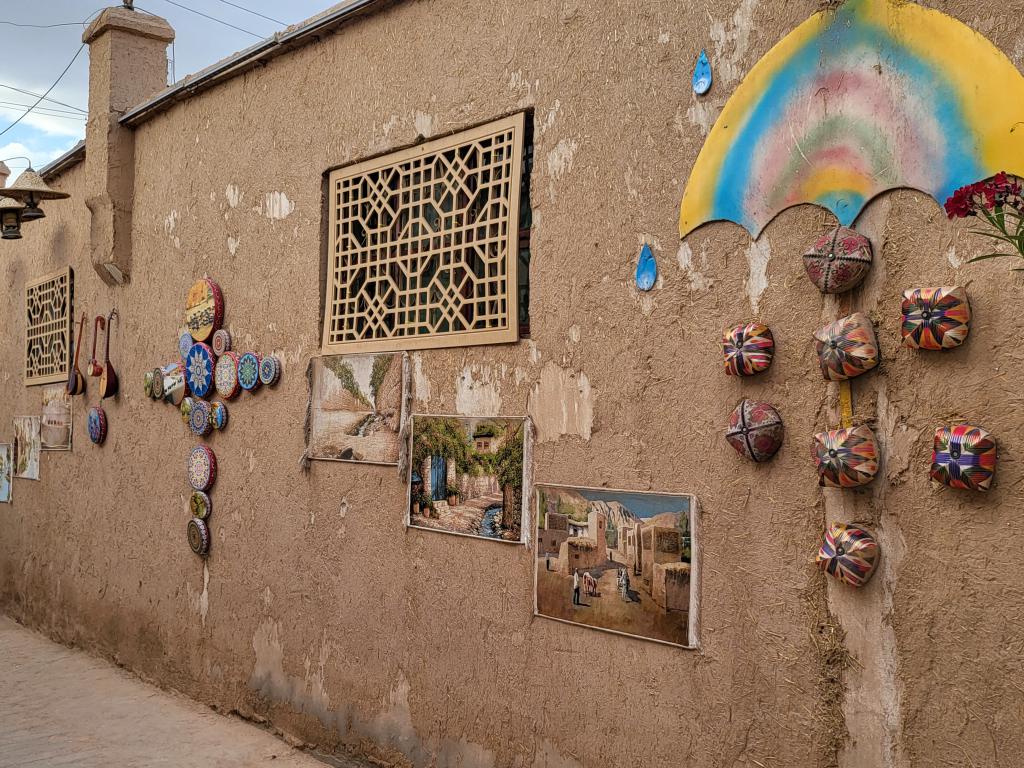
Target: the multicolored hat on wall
pixel 845 458
pixel 935 318
pixel 839 260
pixel 964 457
pixel 849 554
pixel 755 430
pixel 748 349
pixel 847 347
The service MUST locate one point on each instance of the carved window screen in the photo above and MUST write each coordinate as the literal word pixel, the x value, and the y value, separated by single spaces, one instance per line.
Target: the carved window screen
pixel 49 314
pixel 423 245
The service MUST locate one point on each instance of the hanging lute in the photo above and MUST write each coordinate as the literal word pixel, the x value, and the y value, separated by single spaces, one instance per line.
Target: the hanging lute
pixel 76 381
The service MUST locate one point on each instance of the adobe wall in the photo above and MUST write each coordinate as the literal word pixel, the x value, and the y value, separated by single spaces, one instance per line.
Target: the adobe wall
pixel 320 612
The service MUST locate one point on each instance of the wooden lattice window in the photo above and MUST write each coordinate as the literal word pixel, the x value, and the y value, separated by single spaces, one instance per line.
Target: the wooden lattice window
pixel 48 320
pixel 424 245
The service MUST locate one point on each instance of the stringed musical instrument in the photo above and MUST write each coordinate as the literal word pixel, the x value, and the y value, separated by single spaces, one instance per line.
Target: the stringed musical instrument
pixel 108 379
pixel 95 369
pixel 76 381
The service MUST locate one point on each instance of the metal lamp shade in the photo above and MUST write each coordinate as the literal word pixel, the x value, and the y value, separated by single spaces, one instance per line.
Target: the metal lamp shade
pixel 10 218
pixel 31 189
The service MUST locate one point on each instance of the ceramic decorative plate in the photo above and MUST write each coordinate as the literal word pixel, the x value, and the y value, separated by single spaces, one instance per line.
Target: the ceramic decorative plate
pixel 218 415
pixel 199 418
pixel 199 505
pixel 157 391
pixel 204 309
pixel 147 383
pixel 202 468
pixel 199 369
pixel 186 409
pixel 226 375
pixel 175 387
pixel 221 341
pixel 249 371
pixel 198 536
pixel 185 342
pixel 97 425
pixel 270 370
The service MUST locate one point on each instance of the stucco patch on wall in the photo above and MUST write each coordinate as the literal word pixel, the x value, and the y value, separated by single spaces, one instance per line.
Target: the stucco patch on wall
pixel 561 403
pixel 559 162
pixel 549 119
pixel 423 124
pixel 233 195
pixel 548 756
pixel 200 601
pixel 731 41
pixel 276 206
pixel 478 391
pixel 758 255
pixel 954 261
pixel 526 88
pixel 233 244
pixel 696 278
pixel 420 382
pixel 170 225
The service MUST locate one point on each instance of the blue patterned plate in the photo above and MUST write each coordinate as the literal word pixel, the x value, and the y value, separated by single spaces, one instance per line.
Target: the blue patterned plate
pixel 199 369
pixel 249 371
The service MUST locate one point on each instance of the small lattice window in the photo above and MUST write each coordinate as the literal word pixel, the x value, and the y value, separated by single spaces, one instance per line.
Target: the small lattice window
pixel 424 245
pixel 48 317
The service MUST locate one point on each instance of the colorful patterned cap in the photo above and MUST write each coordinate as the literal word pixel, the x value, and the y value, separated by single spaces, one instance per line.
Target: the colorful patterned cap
pixel 839 260
pixel 748 349
pixel 964 457
pixel 849 554
pixel 755 430
pixel 847 347
pixel 935 318
pixel 845 458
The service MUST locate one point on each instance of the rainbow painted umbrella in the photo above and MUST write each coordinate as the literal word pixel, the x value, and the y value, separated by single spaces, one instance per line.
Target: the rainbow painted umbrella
pixel 855 101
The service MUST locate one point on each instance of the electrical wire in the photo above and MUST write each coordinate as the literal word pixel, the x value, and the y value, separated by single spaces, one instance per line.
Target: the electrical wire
pixel 42 26
pixel 47 93
pixel 35 95
pixel 44 111
pixel 254 13
pixel 213 18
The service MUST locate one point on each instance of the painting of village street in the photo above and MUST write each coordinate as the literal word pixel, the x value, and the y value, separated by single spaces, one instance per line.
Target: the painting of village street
pixel 615 560
pixel 357 408
pixel 467 476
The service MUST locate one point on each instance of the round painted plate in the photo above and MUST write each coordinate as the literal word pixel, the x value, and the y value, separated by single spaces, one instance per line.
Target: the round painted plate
pixel 199 418
pixel 202 468
pixel 249 371
pixel 157 391
pixel 175 387
pixel 199 369
pixel 147 383
pixel 185 342
pixel 218 415
pixel 198 536
pixel 186 409
pixel 199 505
pixel 204 309
pixel 221 341
pixel 97 425
pixel 225 375
pixel 270 370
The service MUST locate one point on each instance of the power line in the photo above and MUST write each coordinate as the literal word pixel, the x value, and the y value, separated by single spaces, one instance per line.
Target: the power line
pixel 254 13
pixel 36 95
pixel 42 26
pixel 44 111
pixel 47 93
pixel 213 18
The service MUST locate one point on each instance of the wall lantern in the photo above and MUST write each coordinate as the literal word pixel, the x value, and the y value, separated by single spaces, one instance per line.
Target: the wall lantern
pixel 10 218
pixel 30 188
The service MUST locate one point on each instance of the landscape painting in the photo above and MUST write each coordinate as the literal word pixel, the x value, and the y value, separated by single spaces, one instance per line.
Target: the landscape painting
pixel 6 472
pixel 466 476
pixel 55 425
pixel 620 561
pixel 357 408
pixel 26 447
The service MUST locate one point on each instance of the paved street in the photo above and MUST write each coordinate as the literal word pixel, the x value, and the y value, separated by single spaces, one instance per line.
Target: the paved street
pixel 62 707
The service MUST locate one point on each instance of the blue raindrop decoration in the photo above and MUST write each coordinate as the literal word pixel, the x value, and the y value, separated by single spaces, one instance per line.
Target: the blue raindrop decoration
pixel 702 75
pixel 646 269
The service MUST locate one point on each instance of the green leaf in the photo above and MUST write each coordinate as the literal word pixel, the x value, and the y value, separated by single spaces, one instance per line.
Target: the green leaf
pixel 990 256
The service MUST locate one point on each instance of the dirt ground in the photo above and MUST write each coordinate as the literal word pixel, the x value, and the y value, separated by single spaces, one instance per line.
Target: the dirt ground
pixel 607 610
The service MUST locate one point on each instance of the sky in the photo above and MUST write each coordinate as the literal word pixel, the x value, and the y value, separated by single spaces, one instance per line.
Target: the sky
pixel 32 58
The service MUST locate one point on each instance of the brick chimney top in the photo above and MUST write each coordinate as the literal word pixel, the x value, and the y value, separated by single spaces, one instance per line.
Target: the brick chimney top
pixel 130 21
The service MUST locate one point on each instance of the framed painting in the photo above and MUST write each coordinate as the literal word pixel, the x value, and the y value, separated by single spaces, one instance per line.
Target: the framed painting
pixel 625 562
pixel 26 447
pixel 55 424
pixel 356 412
pixel 6 472
pixel 466 476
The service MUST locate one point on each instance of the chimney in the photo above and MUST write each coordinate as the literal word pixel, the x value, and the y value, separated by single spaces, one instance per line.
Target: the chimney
pixel 4 173
pixel 127 64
